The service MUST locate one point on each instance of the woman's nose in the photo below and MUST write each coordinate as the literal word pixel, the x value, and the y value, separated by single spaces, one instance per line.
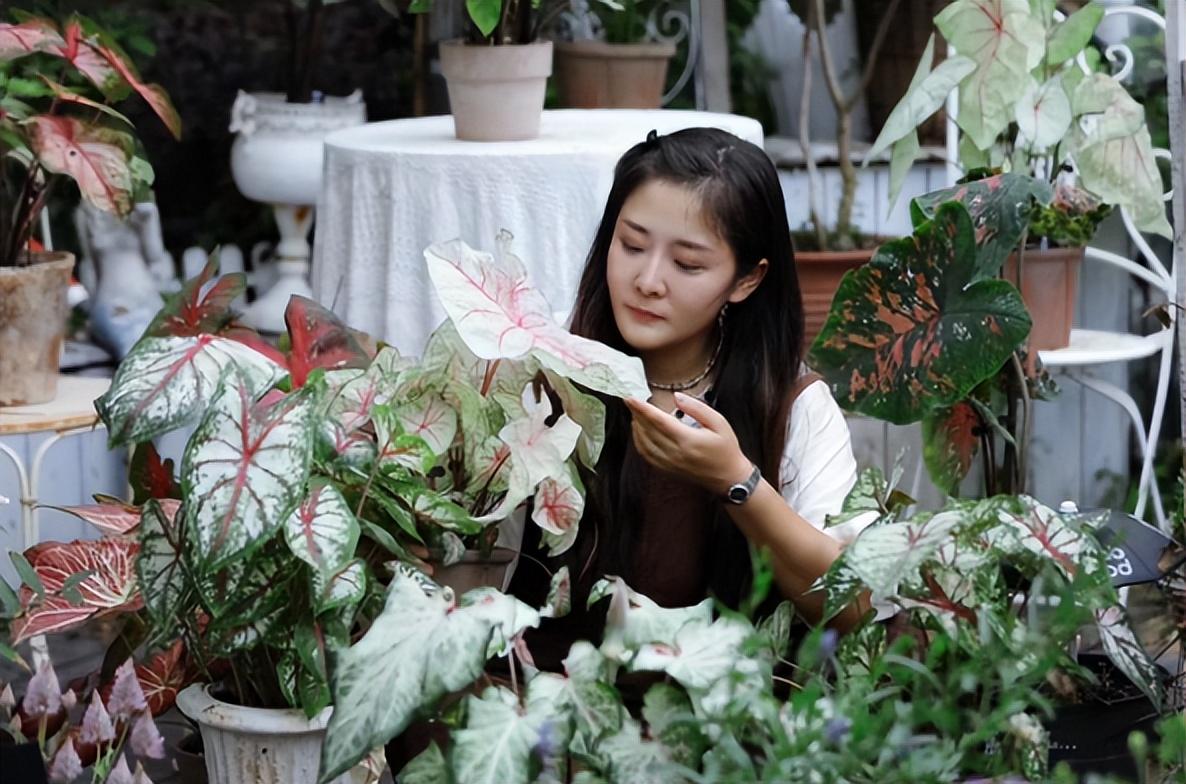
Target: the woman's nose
pixel 649 281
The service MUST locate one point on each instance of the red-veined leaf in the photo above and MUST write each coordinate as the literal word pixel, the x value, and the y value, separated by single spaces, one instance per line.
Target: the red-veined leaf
pixel 319 339
pixel 153 94
pixel 196 309
pixel 559 504
pixel 80 53
pixel 1040 530
pixel 158 567
pixel 150 477
pixel 167 382
pixel 245 469
pixel 96 158
pixel 63 94
pixel 913 330
pixel 950 438
pixel 32 35
pixel 322 531
pixel 109 588
pixel 116 519
pixel 163 676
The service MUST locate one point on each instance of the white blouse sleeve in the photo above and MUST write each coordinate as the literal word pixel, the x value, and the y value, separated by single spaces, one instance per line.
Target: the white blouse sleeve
pixel 818 468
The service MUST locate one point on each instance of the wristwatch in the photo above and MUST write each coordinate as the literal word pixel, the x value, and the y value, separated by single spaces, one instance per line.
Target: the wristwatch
pixel 741 492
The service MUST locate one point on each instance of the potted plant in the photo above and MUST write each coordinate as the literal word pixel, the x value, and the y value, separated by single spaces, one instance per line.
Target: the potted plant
pixel 497 74
pixel 825 253
pixel 1028 103
pixel 277 154
pixel 57 88
pixel 620 66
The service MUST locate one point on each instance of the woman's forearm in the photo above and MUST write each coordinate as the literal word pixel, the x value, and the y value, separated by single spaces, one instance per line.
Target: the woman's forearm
pixel 799 551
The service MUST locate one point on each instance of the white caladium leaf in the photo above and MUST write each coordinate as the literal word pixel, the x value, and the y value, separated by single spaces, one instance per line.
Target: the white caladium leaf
pixel 700 655
pixel 1040 530
pixel 559 601
pixel 537 452
pixel 422 646
pixel 632 759
pixel 1006 42
pixel 495 745
pixel 427 767
pixel 159 568
pixel 342 588
pixel 431 418
pixel 559 504
pixel 168 382
pixel 584 693
pixel 500 315
pixel 245 469
pixel 643 621
pixel 1043 114
pixel 669 718
pixel 322 531
pixel 1127 653
pixel 587 411
pixel 1113 152
pixel 884 556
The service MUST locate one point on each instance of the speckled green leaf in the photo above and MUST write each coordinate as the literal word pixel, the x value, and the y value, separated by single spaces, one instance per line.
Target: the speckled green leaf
pixel 914 330
pixel 1000 207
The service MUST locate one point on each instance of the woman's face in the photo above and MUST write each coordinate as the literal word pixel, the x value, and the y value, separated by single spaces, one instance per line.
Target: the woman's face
pixel 668 270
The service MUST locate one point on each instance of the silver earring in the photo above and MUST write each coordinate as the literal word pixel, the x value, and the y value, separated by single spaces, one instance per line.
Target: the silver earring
pixel 721 317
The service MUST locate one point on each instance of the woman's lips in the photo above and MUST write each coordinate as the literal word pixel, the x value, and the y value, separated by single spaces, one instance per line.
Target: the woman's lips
pixel 643 315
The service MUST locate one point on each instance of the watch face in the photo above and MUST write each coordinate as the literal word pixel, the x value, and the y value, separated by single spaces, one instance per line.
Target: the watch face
pixel 737 493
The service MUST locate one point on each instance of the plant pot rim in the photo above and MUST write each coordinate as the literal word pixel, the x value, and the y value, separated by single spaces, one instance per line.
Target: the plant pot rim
pixel 196 702
pixel 42 259
pixel 329 103
pixel 457 43
pixel 835 256
pixel 638 49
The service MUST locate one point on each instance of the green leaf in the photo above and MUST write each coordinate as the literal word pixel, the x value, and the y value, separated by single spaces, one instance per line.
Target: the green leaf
pixel 342 588
pixel 9 603
pixel 559 601
pixel 422 646
pixel 1127 653
pixel 429 766
pixel 901 161
pixel 584 692
pixel 632 760
pixel 885 556
pixel 1000 207
pixel 322 531
pixel 1006 43
pixel 777 629
pixel 950 438
pixel 27 574
pixel 485 14
pixel 914 330
pixel 1072 34
pixel 245 470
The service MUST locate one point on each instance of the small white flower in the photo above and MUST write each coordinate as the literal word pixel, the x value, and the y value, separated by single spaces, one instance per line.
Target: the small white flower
pixel 96 724
pixel 66 766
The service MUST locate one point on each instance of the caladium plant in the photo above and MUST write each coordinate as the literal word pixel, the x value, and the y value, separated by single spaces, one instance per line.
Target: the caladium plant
pixel 1030 103
pixel 57 87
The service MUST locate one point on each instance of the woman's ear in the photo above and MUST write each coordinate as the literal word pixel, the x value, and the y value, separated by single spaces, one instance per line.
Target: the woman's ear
pixel 746 285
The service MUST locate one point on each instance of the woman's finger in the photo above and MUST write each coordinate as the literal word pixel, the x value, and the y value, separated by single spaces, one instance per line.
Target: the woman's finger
pixel 708 417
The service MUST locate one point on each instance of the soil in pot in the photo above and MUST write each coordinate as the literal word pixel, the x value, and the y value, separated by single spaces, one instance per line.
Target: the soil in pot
pixel 598 75
pixel 496 93
pixel 1049 286
pixel 32 328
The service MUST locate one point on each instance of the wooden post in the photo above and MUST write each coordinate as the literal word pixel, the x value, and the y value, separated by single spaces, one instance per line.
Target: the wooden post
pixel 1175 62
pixel 712 70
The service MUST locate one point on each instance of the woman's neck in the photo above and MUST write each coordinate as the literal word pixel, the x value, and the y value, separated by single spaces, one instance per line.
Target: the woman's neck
pixel 680 363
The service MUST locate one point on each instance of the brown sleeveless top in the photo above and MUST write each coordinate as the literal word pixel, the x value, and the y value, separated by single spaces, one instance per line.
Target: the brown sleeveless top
pixel 670 562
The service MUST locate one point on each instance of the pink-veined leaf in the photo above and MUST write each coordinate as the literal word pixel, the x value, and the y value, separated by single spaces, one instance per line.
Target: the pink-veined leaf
pixel 322 531
pixel 63 94
pixel 79 52
pixel 197 309
pixel 96 158
pixel 245 469
pixel 153 94
pixel 913 330
pixel 886 557
pixel 32 35
pixel 699 655
pixel 167 382
pixel 158 567
pixel 163 676
pixel 950 438
pixel 537 451
pixel 111 518
pixel 500 315
pixel 344 587
pixel 110 586
pixel 1042 531
pixel 559 504
pixel 319 339
pixel 431 418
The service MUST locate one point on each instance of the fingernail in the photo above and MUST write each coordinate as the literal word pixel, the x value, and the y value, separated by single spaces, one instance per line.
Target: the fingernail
pixel 680 396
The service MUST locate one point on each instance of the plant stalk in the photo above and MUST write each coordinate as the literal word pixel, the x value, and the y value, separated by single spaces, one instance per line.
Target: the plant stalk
pixel 821 236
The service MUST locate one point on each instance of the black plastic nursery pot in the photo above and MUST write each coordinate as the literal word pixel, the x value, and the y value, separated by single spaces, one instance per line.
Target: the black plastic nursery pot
pixel 1092 736
pixel 22 763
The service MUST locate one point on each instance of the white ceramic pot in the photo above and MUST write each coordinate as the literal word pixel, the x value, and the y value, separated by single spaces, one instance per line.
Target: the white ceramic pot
pixel 277 158
pixel 256 745
pixel 496 93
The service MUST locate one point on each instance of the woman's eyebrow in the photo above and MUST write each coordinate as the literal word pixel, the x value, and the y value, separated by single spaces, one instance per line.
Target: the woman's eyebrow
pixel 689 244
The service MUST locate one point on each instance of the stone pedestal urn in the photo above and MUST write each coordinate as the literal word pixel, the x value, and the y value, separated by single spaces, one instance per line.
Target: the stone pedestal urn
pixel 277 158
pixel 32 328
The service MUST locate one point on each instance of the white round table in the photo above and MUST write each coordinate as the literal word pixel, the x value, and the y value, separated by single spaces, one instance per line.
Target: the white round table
pixel 391 189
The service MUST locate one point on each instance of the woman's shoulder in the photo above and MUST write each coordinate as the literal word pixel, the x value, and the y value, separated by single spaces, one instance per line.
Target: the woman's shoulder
pixel 818 468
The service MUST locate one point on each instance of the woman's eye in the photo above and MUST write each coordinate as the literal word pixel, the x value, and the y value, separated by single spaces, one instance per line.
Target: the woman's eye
pixel 630 248
pixel 688 267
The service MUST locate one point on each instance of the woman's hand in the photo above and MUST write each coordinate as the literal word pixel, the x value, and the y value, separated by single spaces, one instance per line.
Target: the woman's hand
pixel 708 455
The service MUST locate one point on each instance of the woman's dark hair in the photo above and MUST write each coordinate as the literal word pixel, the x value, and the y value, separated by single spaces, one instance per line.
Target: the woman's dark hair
pixel 739 191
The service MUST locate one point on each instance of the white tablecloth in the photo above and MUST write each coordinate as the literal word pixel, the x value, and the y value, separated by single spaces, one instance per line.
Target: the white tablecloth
pixel 391 189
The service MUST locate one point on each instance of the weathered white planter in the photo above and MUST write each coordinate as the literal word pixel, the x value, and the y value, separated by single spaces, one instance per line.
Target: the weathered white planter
pixel 256 745
pixel 277 158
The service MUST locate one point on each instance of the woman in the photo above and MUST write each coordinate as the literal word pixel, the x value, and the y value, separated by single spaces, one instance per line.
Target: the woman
pixel 692 270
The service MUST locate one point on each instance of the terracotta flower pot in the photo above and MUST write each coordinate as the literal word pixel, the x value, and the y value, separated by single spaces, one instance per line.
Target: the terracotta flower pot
pixel 597 75
pixel 32 328
pixel 1049 286
pixel 496 93
pixel 474 571
pixel 819 277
